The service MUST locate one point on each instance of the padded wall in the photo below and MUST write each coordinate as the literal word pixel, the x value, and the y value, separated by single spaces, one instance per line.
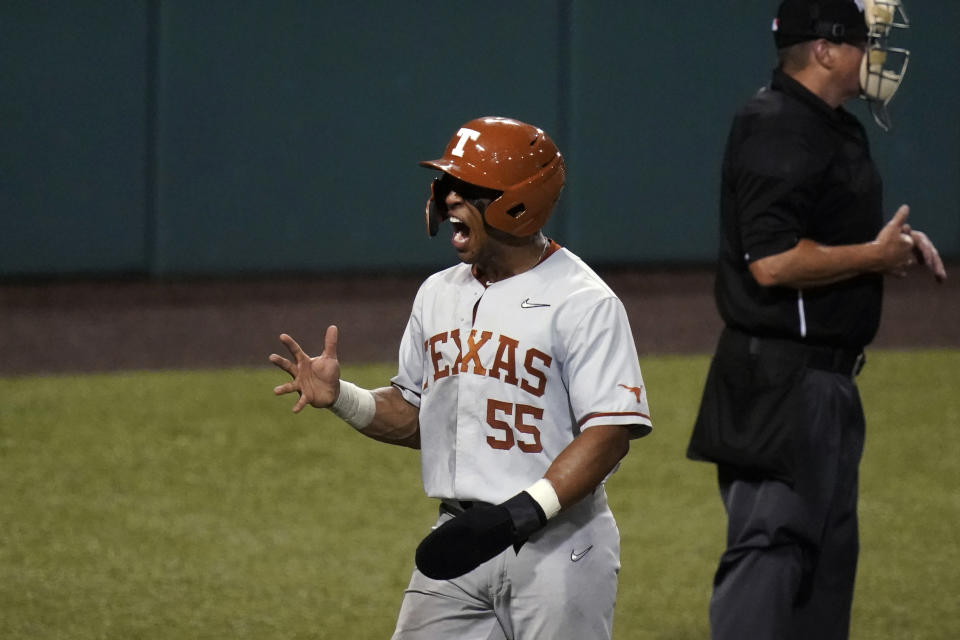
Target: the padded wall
pixel 170 138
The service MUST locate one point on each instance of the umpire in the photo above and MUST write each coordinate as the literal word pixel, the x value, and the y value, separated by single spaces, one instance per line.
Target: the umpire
pixel 803 252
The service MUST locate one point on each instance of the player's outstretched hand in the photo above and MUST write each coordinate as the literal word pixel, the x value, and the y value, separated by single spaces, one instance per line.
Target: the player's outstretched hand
pixel 316 379
pixel 463 543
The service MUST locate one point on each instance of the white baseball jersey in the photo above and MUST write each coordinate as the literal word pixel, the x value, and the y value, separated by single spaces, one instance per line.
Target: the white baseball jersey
pixel 507 375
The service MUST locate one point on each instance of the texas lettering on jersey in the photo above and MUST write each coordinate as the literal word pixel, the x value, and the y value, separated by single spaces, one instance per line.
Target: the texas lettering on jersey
pixel 501 388
pixel 523 368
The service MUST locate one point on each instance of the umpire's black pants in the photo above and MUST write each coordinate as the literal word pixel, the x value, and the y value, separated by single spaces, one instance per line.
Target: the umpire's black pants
pixel 789 567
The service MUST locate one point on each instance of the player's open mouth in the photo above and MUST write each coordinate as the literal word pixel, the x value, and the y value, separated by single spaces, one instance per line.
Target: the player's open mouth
pixel 461 232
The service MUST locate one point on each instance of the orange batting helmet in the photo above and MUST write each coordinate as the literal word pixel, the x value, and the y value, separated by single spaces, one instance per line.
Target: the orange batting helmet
pixel 517 160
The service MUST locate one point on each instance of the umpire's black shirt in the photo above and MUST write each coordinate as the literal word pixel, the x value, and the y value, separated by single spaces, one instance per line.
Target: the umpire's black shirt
pixel 796 168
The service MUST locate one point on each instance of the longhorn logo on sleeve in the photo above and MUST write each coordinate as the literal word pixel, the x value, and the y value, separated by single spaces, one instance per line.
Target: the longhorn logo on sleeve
pixel 636 390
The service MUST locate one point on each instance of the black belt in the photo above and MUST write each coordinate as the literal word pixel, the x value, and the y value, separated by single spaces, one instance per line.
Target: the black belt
pixel 456 507
pixel 834 359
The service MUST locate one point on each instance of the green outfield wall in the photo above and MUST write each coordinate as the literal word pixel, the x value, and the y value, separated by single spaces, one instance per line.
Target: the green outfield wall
pixel 170 138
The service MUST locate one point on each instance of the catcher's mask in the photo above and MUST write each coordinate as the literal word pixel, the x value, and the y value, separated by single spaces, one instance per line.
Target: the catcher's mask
pixel 513 165
pixel 883 67
pixel 862 23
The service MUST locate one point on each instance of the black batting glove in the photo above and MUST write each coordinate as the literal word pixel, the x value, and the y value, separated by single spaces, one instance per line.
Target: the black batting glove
pixel 465 542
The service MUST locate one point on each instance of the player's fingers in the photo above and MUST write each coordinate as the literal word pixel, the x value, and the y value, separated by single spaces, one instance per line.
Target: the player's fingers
pixel 292 346
pixel 330 339
pixel 286 387
pixel 301 403
pixel 284 364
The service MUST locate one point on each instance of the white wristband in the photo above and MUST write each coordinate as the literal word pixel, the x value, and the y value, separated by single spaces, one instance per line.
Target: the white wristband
pixel 544 494
pixel 356 406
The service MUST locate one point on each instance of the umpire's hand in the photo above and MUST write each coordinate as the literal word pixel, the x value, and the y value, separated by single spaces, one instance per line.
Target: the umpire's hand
pixel 465 542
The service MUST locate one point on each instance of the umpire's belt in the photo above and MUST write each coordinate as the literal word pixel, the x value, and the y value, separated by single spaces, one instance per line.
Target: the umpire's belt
pixel 834 359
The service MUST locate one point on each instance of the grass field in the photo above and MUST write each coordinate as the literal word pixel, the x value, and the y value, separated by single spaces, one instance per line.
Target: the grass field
pixel 195 505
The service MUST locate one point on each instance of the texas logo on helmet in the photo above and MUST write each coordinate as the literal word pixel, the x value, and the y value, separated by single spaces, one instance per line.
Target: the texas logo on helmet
pixel 515 158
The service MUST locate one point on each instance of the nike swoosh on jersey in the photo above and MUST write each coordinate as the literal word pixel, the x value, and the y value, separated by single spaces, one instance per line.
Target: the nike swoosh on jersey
pixel 526 304
pixel 576 557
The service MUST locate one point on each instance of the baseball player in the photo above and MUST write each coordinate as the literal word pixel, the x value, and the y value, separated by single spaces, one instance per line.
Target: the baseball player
pixel 519 382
